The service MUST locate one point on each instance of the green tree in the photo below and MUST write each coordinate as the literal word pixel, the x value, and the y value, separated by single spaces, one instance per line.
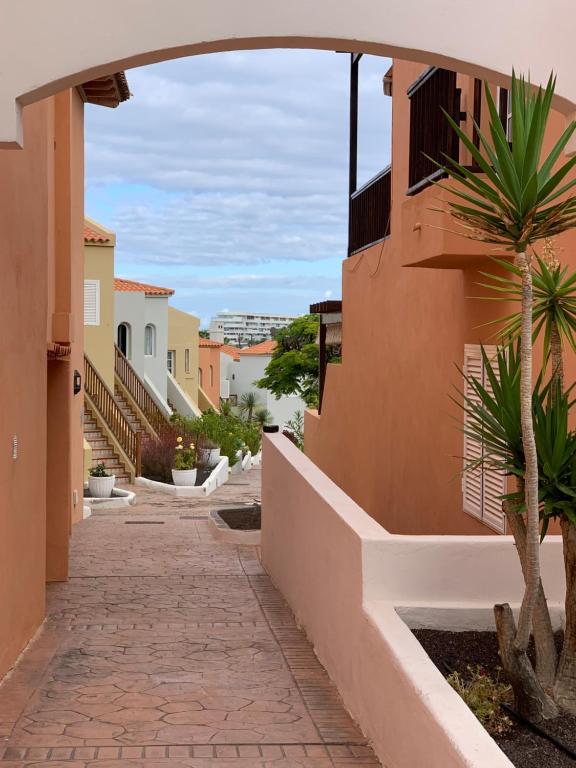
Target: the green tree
pixel 204 334
pixel 294 365
pixel 518 199
pixel 248 403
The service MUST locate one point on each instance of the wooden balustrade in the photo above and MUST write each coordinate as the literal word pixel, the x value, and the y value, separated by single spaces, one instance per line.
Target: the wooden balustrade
pixel 109 410
pixel 369 213
pixel 138 392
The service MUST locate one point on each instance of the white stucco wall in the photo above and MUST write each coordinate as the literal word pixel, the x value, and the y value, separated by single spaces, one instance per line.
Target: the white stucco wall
pixel 42 52
pixel 138 310
pixel 252 367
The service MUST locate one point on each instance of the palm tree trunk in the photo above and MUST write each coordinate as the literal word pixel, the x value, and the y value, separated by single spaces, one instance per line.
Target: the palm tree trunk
pixel 546 654
pixel 565 687
pixel 531 699
pixel 532 579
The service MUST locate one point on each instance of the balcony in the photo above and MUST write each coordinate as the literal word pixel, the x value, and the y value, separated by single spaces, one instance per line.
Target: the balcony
pixel 369 216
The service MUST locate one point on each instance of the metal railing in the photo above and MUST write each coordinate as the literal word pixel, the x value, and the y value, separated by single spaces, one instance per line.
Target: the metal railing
pixel 103 401
pixel 138 392
pixel 370 208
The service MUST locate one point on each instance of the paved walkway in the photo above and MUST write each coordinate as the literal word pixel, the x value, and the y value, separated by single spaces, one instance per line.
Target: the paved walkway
pixel 169 648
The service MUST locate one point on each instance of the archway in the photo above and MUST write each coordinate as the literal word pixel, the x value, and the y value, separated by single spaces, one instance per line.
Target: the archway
pixel 43 49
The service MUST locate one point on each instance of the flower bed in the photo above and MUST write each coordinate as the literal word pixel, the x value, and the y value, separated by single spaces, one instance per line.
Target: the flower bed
pixel 237 525
pixel 120 499
pixel 216 477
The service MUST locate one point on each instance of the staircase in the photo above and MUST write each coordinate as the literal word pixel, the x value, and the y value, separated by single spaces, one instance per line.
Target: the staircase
pixel 131 417
pixel 102 451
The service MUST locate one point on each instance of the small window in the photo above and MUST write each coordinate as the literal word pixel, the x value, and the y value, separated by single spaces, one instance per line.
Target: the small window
pixel 211 376
pixel 171 362
pixel 504 102
pixel 150 340
pixel 186 361
pixel 91 302
pixel 200 377
pixel 481 488
pixel 124 339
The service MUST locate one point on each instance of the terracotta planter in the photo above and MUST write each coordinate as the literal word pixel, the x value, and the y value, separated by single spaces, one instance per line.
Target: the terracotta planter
pixel 209 457
pixel 101 487
pixel 184 476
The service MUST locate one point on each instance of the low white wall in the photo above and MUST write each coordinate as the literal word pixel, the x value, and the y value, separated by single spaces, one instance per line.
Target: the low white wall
pixel 344 577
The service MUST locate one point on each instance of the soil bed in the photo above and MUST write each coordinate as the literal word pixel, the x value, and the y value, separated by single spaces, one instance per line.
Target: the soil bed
pixel 242 518
pixel 524 748
pixel 201 476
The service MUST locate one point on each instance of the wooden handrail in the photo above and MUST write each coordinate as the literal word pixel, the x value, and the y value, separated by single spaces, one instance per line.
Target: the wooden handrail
pixel 103 400
pixel 138 392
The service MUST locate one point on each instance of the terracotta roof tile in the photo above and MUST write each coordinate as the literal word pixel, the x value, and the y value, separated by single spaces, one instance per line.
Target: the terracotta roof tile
pixel 132 286
pixel 228 349
pixel 209 343
pixel 93 236
pixel 264 348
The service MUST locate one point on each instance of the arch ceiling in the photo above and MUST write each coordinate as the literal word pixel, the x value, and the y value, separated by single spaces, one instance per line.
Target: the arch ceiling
pixel 49 45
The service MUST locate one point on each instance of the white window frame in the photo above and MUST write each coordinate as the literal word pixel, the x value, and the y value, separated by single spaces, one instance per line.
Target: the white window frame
pixel 186 361
pixel 481 488
pixel 171 361
pixel 150 340
pixel 92 287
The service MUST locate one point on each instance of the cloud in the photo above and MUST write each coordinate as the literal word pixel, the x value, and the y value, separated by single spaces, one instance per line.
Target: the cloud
pixel 235 159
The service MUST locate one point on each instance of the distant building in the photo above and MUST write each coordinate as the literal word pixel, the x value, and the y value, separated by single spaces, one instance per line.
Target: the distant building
pixel 243 329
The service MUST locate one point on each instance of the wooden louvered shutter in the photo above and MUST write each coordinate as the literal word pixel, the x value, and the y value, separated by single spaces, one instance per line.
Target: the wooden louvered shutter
pixel 483 487
pixel 91 302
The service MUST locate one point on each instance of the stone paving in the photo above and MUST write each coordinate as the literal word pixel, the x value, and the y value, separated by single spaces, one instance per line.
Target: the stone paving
pixel 169 648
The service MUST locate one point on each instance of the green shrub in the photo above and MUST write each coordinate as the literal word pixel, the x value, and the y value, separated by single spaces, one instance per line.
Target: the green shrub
pixel 484 696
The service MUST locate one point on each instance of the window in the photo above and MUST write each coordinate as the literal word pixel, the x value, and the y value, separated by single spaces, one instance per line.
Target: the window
pixel 199 377
pixel 431 136
pixel 91 302
pixel 124 339
pixel 171 362
pixel 504 103
pixel 211 376
pixel 186 361
pixel 483 487
pixel 150 340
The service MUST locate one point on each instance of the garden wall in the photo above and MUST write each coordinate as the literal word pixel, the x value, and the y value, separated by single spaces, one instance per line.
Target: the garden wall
pixel 351 582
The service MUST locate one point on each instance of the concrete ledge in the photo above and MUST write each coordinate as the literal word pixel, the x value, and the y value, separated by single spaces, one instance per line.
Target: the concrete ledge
pixel 218 477
pixel 119 500
pixel 247 462
pixel 223 532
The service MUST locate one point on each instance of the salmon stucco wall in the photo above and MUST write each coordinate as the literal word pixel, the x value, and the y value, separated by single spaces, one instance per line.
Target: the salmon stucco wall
pixel 389 434
pixel 26 227
pixel 209 375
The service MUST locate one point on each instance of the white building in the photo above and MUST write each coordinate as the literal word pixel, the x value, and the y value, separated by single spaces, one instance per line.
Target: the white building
pixel 141 322
pixel 244 329
pixel 241 368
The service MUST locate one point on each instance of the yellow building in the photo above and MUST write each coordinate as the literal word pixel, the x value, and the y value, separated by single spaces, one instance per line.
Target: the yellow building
pixel 183 352
pixel 99 244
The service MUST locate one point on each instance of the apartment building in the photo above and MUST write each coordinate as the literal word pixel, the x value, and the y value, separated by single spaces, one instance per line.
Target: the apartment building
pixel 242 329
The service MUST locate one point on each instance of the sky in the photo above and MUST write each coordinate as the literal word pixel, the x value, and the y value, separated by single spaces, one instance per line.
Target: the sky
pixel 225 176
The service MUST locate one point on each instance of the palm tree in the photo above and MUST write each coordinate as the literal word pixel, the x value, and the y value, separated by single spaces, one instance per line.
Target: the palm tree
pixel 263 416
pixel 520 199
pixel 248 403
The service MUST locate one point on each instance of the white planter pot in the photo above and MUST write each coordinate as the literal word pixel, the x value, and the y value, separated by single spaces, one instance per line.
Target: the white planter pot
pixel 209 457
pixel 184 476
pixel 101 487
pixel 237 466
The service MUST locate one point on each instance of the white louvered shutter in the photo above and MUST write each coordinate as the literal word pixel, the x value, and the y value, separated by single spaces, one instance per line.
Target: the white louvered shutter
pixel 483 487
pixel 91 302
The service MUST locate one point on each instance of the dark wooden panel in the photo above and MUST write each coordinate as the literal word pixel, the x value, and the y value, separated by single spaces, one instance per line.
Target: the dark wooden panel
pixel 370 210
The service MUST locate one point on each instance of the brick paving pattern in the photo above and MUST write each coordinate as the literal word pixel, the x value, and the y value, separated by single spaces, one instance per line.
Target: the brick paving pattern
pixel 170 648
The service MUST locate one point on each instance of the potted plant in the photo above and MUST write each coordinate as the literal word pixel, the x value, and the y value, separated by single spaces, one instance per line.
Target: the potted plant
pixel 100 483
pixel 184 470
pixel 208 452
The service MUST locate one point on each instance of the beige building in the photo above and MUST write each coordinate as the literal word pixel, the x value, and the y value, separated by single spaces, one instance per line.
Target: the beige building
pixel 99 244
pixel 182 361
